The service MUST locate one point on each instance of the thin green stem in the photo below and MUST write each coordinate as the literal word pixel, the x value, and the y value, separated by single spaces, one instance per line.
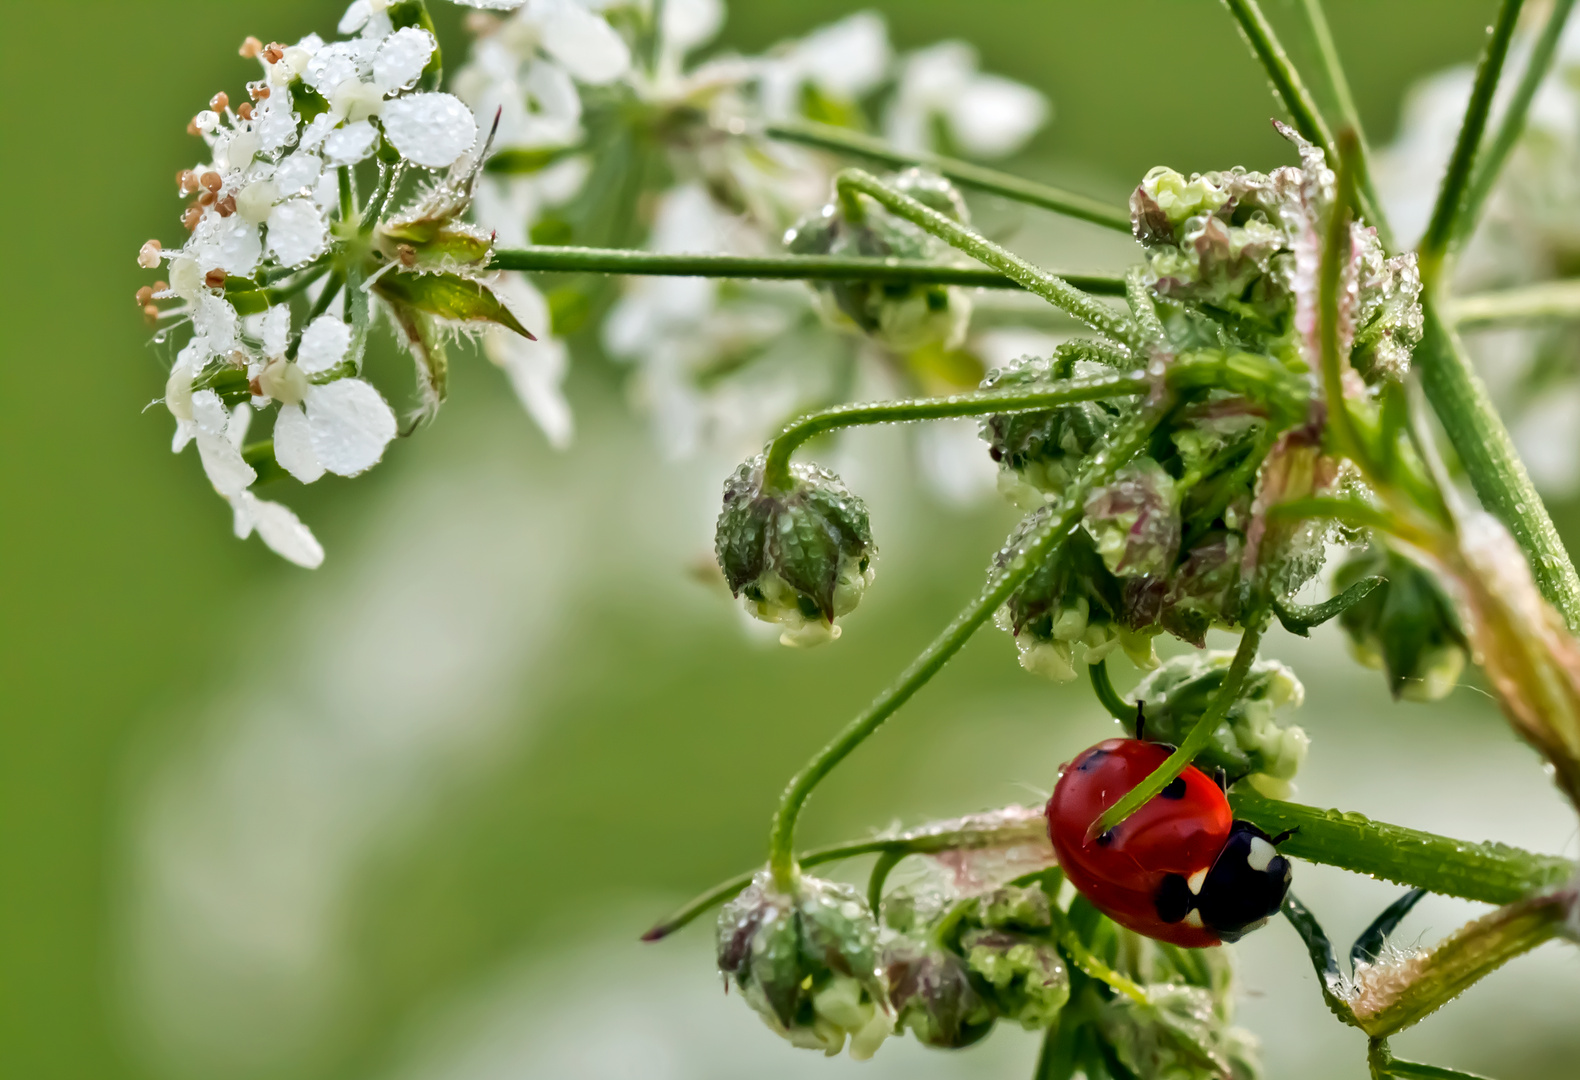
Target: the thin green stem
pixel 1020 565
pixel 1487 452
pixel 1349 115
pixel 1078 954
pixel 964 173
pixel 1292 91
pixel 1335 257
pixel 1138 297
pixel 1350 511
pixel 1298 619
pixel 1512 125
pixel 348 195
pixel 1058 292
pixel 1491 873
pixel 1197 738
pixel 377 198
pixel 979 403
pixel 1452 203
pixel 1103 687
pixel 1530 303
pixel 575 260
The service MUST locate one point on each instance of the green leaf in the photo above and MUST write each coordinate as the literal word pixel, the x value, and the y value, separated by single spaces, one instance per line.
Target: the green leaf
pixel 806 551
pixel 1298 619
pixel 1411 1070
pixel 448 296
pixel 515 161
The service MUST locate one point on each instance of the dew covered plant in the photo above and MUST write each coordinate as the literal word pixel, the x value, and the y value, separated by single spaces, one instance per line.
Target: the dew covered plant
pixel 1238 422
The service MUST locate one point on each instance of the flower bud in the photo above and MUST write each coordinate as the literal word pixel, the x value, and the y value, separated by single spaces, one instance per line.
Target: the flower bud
pixel 807 961
pixel 904 316
pixel 933 994
pixel 1135 520
pixel 1204 590
pixel 1249 743
pixel 800 557
pixel 1039 452
pixel 1069 610
pixel 1028 980
pixel 1179 1032
pixel 1405 626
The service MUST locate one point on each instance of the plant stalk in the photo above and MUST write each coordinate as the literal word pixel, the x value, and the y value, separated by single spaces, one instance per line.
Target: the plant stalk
pixel 1529 303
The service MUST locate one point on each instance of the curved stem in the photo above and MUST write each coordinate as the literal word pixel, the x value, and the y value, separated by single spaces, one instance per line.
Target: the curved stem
pixel 964 173
pixel 887 861
pixel 776 468
pixel 1103 687
pixel 1530 303
pixel 1491 873
pixel 1451 206
pixel 1058 292
pixel 1020 565
pixel 1333 68
pixel 1197 738
pixel 1490 162
pixel 572 260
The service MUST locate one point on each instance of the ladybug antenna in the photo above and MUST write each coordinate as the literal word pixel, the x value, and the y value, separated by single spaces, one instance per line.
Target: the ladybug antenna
pixel 1221 778
pixel 1285 835
pixel 1141 719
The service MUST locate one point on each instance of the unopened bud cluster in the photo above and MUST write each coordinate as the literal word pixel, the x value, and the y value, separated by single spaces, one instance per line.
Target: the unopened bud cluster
pixel 1406 626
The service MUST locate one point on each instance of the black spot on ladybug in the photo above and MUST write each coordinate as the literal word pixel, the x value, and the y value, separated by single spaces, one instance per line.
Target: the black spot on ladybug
pixel 1173 899
pixel 1092 759
pixel 1175 789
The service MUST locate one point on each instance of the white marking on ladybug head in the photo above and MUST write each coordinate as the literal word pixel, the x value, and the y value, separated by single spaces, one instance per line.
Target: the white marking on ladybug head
pixel 1260 855
pixel 1193 918
pixel 1195 881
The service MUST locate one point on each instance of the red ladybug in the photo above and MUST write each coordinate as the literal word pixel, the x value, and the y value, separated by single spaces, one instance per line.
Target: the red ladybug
pixel 1180 869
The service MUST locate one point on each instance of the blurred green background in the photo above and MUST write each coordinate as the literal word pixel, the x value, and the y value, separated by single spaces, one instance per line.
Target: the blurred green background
pixel 404 816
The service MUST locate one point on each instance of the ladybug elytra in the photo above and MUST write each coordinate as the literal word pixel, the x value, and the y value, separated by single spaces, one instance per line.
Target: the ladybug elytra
pixel 1180 869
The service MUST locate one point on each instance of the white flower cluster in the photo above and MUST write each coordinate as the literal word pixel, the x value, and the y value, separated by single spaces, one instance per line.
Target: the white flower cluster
pixel 265 204
pixel 1530 233
pixel 717 364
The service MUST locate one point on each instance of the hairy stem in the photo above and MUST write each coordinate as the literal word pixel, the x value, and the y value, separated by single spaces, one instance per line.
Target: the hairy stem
pixel 1058 292
pixel 1449 213
pixel 776 469
pixel 1490 163
pixel 572 260
pixel 1529 303
pixel 1197 738
pixel 964 173
pixel 1491 873
pixel 1021 564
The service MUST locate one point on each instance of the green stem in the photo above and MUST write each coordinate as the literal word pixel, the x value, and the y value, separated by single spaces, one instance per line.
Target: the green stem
pixel 1462 959
pixel 1487 452
pixel 776 468
pixel 1491 873
pixel 1298 619
pixel 571 260
pixel 348 195
pixel 1452 204
pixel 1058 292
pixel 1335 257
pixel 1333 68
pixel 1020 565
pixel 1138 297
pixel 1297 99
pixel 377 198
pixel 1103 687
pixel 967 834
pixel 1547 300
pixel 1197 738
pixel 1350 511
pixel 1491 160
pixel 964 173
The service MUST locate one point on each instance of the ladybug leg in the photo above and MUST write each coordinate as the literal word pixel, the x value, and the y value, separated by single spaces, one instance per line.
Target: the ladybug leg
pixel 1285 835
pixel 1141 719
pixel 1221 778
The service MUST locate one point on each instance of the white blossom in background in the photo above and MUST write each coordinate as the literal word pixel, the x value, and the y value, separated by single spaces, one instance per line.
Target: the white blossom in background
pixel 1528 234
pixel 536 368
pixel 985 115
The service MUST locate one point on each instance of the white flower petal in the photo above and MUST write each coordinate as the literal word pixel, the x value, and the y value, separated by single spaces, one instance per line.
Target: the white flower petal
pixel 223 463
pixel 230 244
pixel 297 232
pixel 277 527
pixel 240 421
pixel 215 320
pixel 318 130
pixel 298 173
pixel 208 412
pixel 585 43
pixel 846 58
pixel 401 58
pixel 689 23
pixel 536 368
pixel 185 431
pixel 293 445
pixel 351 425
pixel 995 116
pixel 430 129
pixel 273 122
pixel 492 5
pixel 355 18
pixel 324 344
pixel 333 65
pixel 350 144
pixel 276 330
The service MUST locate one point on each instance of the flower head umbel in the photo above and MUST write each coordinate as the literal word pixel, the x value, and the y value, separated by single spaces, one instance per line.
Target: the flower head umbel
pixel 1039 452
pixel 274 216
pixel 1406 626
pixel 801 557
pixel 807 961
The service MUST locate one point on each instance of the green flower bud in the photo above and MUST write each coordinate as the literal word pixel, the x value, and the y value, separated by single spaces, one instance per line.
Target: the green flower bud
pixel 1204 590
pixel 1406 626
pixel 801 558
pixel 1135 520
pixel 1388 319
pixel 1068 611
pixel 933 994
pixel 904 316
pixel 1249 743
pixel 1026 975
pixel 1039 452
pixel 1177 1033
pixel 807 961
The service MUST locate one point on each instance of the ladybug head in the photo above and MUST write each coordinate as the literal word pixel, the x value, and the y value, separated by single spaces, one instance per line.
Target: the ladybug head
pixel 1242 889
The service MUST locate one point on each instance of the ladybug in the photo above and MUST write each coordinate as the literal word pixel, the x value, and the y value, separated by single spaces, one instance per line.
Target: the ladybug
pixel 1180 869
